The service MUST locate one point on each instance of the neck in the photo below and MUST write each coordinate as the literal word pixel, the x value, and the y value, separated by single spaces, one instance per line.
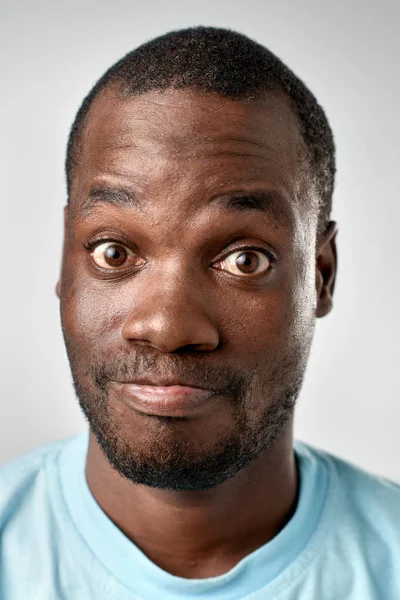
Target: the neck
pixel 207 532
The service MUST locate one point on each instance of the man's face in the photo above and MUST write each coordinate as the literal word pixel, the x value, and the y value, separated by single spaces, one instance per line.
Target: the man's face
pixel 189 257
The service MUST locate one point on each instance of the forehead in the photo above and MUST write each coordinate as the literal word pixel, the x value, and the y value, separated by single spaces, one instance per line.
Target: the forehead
pixel 190 142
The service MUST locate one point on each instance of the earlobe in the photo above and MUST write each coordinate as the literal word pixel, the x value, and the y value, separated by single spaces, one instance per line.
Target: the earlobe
pixel 326 269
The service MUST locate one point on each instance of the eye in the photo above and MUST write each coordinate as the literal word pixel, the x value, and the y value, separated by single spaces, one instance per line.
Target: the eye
pixel 113 255
pixel 246 262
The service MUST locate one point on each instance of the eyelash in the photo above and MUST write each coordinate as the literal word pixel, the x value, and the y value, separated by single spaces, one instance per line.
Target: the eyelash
pixel 90 246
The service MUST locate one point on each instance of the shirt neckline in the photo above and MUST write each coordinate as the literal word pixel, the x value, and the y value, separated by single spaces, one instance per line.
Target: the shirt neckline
pixel 131 567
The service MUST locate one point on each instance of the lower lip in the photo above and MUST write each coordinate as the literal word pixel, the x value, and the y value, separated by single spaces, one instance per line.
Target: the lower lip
pixel 166 401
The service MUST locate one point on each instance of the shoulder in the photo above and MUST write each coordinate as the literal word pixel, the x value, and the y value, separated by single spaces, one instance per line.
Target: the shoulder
pixel 367 501
pixel 35 526
pixel 360 535
pixel 23 476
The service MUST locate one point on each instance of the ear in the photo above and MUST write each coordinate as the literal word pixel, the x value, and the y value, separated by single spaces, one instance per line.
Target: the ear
pixel 58 286
pixel 326 269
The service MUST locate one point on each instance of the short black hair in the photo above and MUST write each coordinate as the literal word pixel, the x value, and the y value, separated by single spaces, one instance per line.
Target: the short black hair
pixel 228 63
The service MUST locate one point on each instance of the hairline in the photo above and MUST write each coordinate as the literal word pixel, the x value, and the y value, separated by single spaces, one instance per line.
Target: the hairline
pixel 123 93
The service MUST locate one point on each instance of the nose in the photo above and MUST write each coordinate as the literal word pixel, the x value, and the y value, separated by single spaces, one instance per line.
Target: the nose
pixel 171 313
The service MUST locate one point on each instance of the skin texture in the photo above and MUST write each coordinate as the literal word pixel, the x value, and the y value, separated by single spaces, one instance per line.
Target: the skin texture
pixel 223 481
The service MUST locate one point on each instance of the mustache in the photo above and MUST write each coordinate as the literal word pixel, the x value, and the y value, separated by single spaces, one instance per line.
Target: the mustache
pixel 149 366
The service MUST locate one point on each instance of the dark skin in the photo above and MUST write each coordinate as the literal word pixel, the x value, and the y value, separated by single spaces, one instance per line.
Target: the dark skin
pixel 185 297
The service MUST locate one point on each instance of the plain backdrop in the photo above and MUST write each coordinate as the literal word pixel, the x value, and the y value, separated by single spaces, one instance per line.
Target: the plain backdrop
pixel 347 52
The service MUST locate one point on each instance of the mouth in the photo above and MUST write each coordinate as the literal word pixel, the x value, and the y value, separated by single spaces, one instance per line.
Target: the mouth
pixel 171 400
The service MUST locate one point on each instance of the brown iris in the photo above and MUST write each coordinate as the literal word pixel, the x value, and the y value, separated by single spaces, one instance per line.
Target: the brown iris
pixel 115 255
pixel 247 262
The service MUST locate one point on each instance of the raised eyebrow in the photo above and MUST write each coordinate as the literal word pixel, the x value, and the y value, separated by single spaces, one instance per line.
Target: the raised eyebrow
pixel 269 203
pixel 122 197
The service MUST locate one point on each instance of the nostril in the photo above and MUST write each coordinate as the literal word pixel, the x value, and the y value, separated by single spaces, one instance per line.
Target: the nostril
pixel 171 330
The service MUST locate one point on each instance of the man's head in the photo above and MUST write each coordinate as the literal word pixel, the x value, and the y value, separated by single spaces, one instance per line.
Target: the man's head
pixel 198 250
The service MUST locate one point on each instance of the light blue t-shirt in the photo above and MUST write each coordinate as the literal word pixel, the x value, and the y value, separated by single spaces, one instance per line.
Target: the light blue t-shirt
pixel 342 543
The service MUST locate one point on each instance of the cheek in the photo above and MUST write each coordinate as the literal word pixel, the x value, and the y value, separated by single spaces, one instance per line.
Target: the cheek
pixel 304 296
pixel 89 310
pixel 263 327
pixel 253 324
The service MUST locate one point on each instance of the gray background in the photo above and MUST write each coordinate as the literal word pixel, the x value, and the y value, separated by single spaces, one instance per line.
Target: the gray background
pixel 347 52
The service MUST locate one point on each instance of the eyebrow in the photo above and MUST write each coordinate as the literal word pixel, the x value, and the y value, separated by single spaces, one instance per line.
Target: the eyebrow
pixel 269 203
pixel 122 197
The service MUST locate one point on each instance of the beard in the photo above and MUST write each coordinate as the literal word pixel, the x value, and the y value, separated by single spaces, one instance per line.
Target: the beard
pixel 162 452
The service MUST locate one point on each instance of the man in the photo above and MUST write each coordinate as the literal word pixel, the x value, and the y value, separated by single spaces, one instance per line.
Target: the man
pixel 198 253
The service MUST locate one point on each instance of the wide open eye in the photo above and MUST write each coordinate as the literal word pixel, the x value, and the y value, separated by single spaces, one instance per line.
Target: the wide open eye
pixel 246 262
pixel 111 255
